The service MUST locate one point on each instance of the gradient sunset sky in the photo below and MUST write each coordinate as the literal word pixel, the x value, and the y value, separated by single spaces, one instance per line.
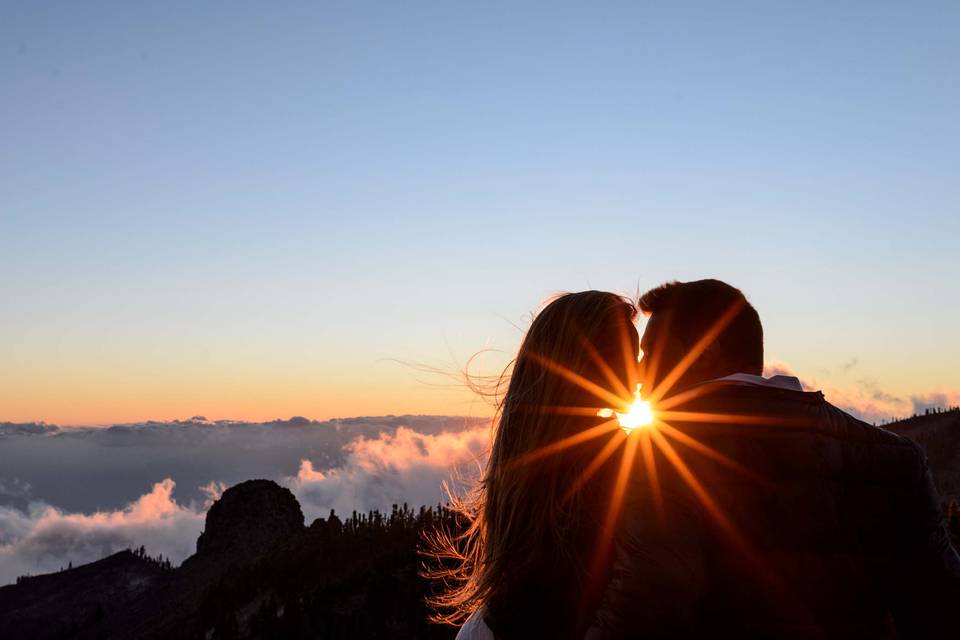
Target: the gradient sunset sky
pixel 255 210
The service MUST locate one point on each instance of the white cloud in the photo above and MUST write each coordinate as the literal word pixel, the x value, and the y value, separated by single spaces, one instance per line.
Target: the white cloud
pixel 44 539
pixel 111 467
pixel 404 466
pixel 212 492
pixel 357 464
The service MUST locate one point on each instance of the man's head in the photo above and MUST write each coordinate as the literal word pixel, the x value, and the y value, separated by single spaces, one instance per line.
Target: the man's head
pixel 710 313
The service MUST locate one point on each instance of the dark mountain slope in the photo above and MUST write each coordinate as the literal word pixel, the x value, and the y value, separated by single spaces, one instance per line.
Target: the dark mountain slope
pixel 64 604
pixel 939 435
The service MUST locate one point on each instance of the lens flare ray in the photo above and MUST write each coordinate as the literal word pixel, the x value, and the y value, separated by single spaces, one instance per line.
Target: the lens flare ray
pixel 712 508
pixel 577 379
pixel 608 530
pixel 709 452
pixel 606 369
pixel 565 443
pixel 728 418
pixel 650 467
pixel 695 352
pixel 595 464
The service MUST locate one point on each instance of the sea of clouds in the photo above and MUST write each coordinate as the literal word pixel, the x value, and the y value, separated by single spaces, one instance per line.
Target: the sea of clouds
pixel 79 494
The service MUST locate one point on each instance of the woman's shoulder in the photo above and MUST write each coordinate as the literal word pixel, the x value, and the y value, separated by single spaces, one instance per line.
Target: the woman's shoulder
pixel 475 628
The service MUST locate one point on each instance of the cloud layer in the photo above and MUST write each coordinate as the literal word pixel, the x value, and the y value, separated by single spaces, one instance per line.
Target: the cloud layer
pixel 403 467
pixel 45 539
pixel 100 469
pixel 361 464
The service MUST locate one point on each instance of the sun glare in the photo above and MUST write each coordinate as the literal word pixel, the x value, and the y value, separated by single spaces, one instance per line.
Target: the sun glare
pixel 639 415
pixel 651 431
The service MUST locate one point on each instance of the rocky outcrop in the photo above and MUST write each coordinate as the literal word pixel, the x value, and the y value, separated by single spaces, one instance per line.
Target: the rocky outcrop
pixel 125 596
pixel 250 518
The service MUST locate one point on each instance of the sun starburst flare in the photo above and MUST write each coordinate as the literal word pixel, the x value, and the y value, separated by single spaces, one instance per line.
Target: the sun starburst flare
pixel 643 426
pixel 638 415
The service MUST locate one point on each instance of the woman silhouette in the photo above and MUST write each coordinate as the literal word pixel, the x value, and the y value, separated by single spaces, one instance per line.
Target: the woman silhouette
pixel 533 562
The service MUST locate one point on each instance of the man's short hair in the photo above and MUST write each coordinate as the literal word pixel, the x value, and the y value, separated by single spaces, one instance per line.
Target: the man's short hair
pixel 691 309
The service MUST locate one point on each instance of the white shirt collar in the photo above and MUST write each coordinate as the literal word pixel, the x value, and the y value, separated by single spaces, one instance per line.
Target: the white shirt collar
pixel 790 383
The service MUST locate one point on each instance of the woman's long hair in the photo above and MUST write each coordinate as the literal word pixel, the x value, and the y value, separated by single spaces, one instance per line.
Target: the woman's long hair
pixel 528 553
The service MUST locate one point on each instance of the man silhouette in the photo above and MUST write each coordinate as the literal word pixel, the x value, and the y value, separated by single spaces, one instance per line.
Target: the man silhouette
pixel 768 512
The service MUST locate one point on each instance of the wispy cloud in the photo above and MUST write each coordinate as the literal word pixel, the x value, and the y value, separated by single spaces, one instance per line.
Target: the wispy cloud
pixel 935 400
pixel 865 399
pixel 849 364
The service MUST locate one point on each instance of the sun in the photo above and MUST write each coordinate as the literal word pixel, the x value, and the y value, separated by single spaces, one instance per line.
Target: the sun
pixel 637 416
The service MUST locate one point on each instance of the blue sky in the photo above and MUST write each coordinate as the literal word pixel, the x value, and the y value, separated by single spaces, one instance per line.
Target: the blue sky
pixel 247 210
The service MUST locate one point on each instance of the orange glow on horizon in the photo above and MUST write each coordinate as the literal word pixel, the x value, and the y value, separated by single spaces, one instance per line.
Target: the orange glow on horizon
pixel 78 397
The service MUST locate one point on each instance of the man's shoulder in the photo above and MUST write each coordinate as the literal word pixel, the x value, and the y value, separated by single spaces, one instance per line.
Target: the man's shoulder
pixel 755 444
pixel 756 410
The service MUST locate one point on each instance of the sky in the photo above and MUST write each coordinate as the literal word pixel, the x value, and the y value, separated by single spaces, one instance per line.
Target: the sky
pixel 245 211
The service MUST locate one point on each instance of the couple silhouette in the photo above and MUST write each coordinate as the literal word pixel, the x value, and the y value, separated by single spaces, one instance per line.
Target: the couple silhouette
pixel 747 508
